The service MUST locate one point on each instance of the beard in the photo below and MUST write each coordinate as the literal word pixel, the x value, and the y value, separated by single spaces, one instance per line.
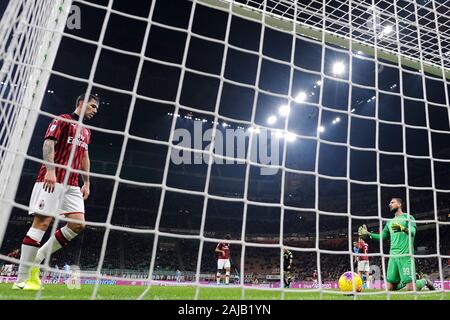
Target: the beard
pixel 394 210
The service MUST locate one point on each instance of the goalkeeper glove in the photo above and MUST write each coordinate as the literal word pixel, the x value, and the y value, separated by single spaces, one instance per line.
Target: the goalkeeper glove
pixel 363 232
pixel 396 227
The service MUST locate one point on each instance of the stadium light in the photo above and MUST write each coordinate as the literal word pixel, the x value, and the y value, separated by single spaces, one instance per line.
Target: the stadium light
pixel 319 82
pixel 290 136
pixel 284 110
pixel 279 134
pixel 224 125
pixel 338 119
pixel 338 68
pixel 321 129
pixel 272 119
pixel 253 129
pixel 388 29
pixel 301 96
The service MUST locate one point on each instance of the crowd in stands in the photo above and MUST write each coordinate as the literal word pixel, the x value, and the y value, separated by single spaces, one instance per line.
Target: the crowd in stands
pixel 130 253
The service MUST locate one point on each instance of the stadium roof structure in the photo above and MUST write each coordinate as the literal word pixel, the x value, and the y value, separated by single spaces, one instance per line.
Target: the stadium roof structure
pixel 393 28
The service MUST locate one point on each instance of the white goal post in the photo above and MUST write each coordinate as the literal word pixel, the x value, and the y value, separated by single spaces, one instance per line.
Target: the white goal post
pixel 30 33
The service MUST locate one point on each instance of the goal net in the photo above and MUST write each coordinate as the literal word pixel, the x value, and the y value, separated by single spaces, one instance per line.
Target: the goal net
pixel 284 124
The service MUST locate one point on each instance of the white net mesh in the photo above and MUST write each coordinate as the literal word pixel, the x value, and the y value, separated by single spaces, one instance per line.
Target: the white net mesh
pixel 349 98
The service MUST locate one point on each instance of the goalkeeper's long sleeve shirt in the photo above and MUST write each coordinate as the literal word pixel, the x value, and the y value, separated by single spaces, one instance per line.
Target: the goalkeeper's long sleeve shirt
pixel 399 240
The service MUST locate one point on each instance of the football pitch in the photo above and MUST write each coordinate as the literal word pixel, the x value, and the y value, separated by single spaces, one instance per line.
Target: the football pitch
pixel 108 292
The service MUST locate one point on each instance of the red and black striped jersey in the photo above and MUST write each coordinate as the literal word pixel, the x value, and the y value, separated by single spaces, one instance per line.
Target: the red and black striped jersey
pixel 64 134
pixel 225 247
pixel 363 248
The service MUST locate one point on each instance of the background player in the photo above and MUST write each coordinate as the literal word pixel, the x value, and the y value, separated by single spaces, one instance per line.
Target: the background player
pixel 288 267
pixel 401 270
pixel 363 261
pixel 315 278
pixel 223 260
pixel 50 197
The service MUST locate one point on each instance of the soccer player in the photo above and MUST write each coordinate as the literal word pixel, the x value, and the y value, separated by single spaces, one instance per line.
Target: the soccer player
pixel 356 250
pixel 288 267
pixel 401 229
pixel 315 278
pixel 363 261
pixel 178 275
pixel 66 269
pixel 223 260
pixel 51 197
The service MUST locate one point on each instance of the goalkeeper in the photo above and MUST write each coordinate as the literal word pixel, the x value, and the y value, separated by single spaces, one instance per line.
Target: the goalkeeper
pixel 401 269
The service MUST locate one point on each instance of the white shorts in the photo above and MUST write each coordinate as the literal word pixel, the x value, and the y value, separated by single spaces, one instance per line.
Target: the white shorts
pixel 223 263
pixel 63 200
pixel 363 266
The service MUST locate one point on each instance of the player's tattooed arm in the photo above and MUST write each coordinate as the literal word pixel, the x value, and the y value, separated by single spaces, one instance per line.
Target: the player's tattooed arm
pixel 85 167
pixel 48 152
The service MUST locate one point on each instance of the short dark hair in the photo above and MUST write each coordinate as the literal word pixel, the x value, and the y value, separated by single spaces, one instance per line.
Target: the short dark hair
pixel 90 97
pixel 399 200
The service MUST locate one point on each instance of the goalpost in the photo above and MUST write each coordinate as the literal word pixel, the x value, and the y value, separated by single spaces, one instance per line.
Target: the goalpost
pixel 407 35
pixel 30 32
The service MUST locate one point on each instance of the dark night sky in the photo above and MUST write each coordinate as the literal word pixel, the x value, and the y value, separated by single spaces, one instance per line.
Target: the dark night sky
pixel 145 161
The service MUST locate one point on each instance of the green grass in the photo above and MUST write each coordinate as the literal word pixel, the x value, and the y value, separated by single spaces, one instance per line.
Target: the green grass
pixel 108 292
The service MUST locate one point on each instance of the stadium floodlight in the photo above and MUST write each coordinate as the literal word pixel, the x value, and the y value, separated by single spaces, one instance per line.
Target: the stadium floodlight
pixel 388 30
pixel 321 129
pixel 301 96
pixel 224 125
pixel 279 134
pixel 319 82
pixel 290 136
pixel 272 119
pixel 338 68
pixel 284 110
pixel 254 130
pixel 338 119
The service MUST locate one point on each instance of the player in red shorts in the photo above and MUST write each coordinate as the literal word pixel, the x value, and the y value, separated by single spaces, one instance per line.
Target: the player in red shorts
pixel 223 260
pixel 51 196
